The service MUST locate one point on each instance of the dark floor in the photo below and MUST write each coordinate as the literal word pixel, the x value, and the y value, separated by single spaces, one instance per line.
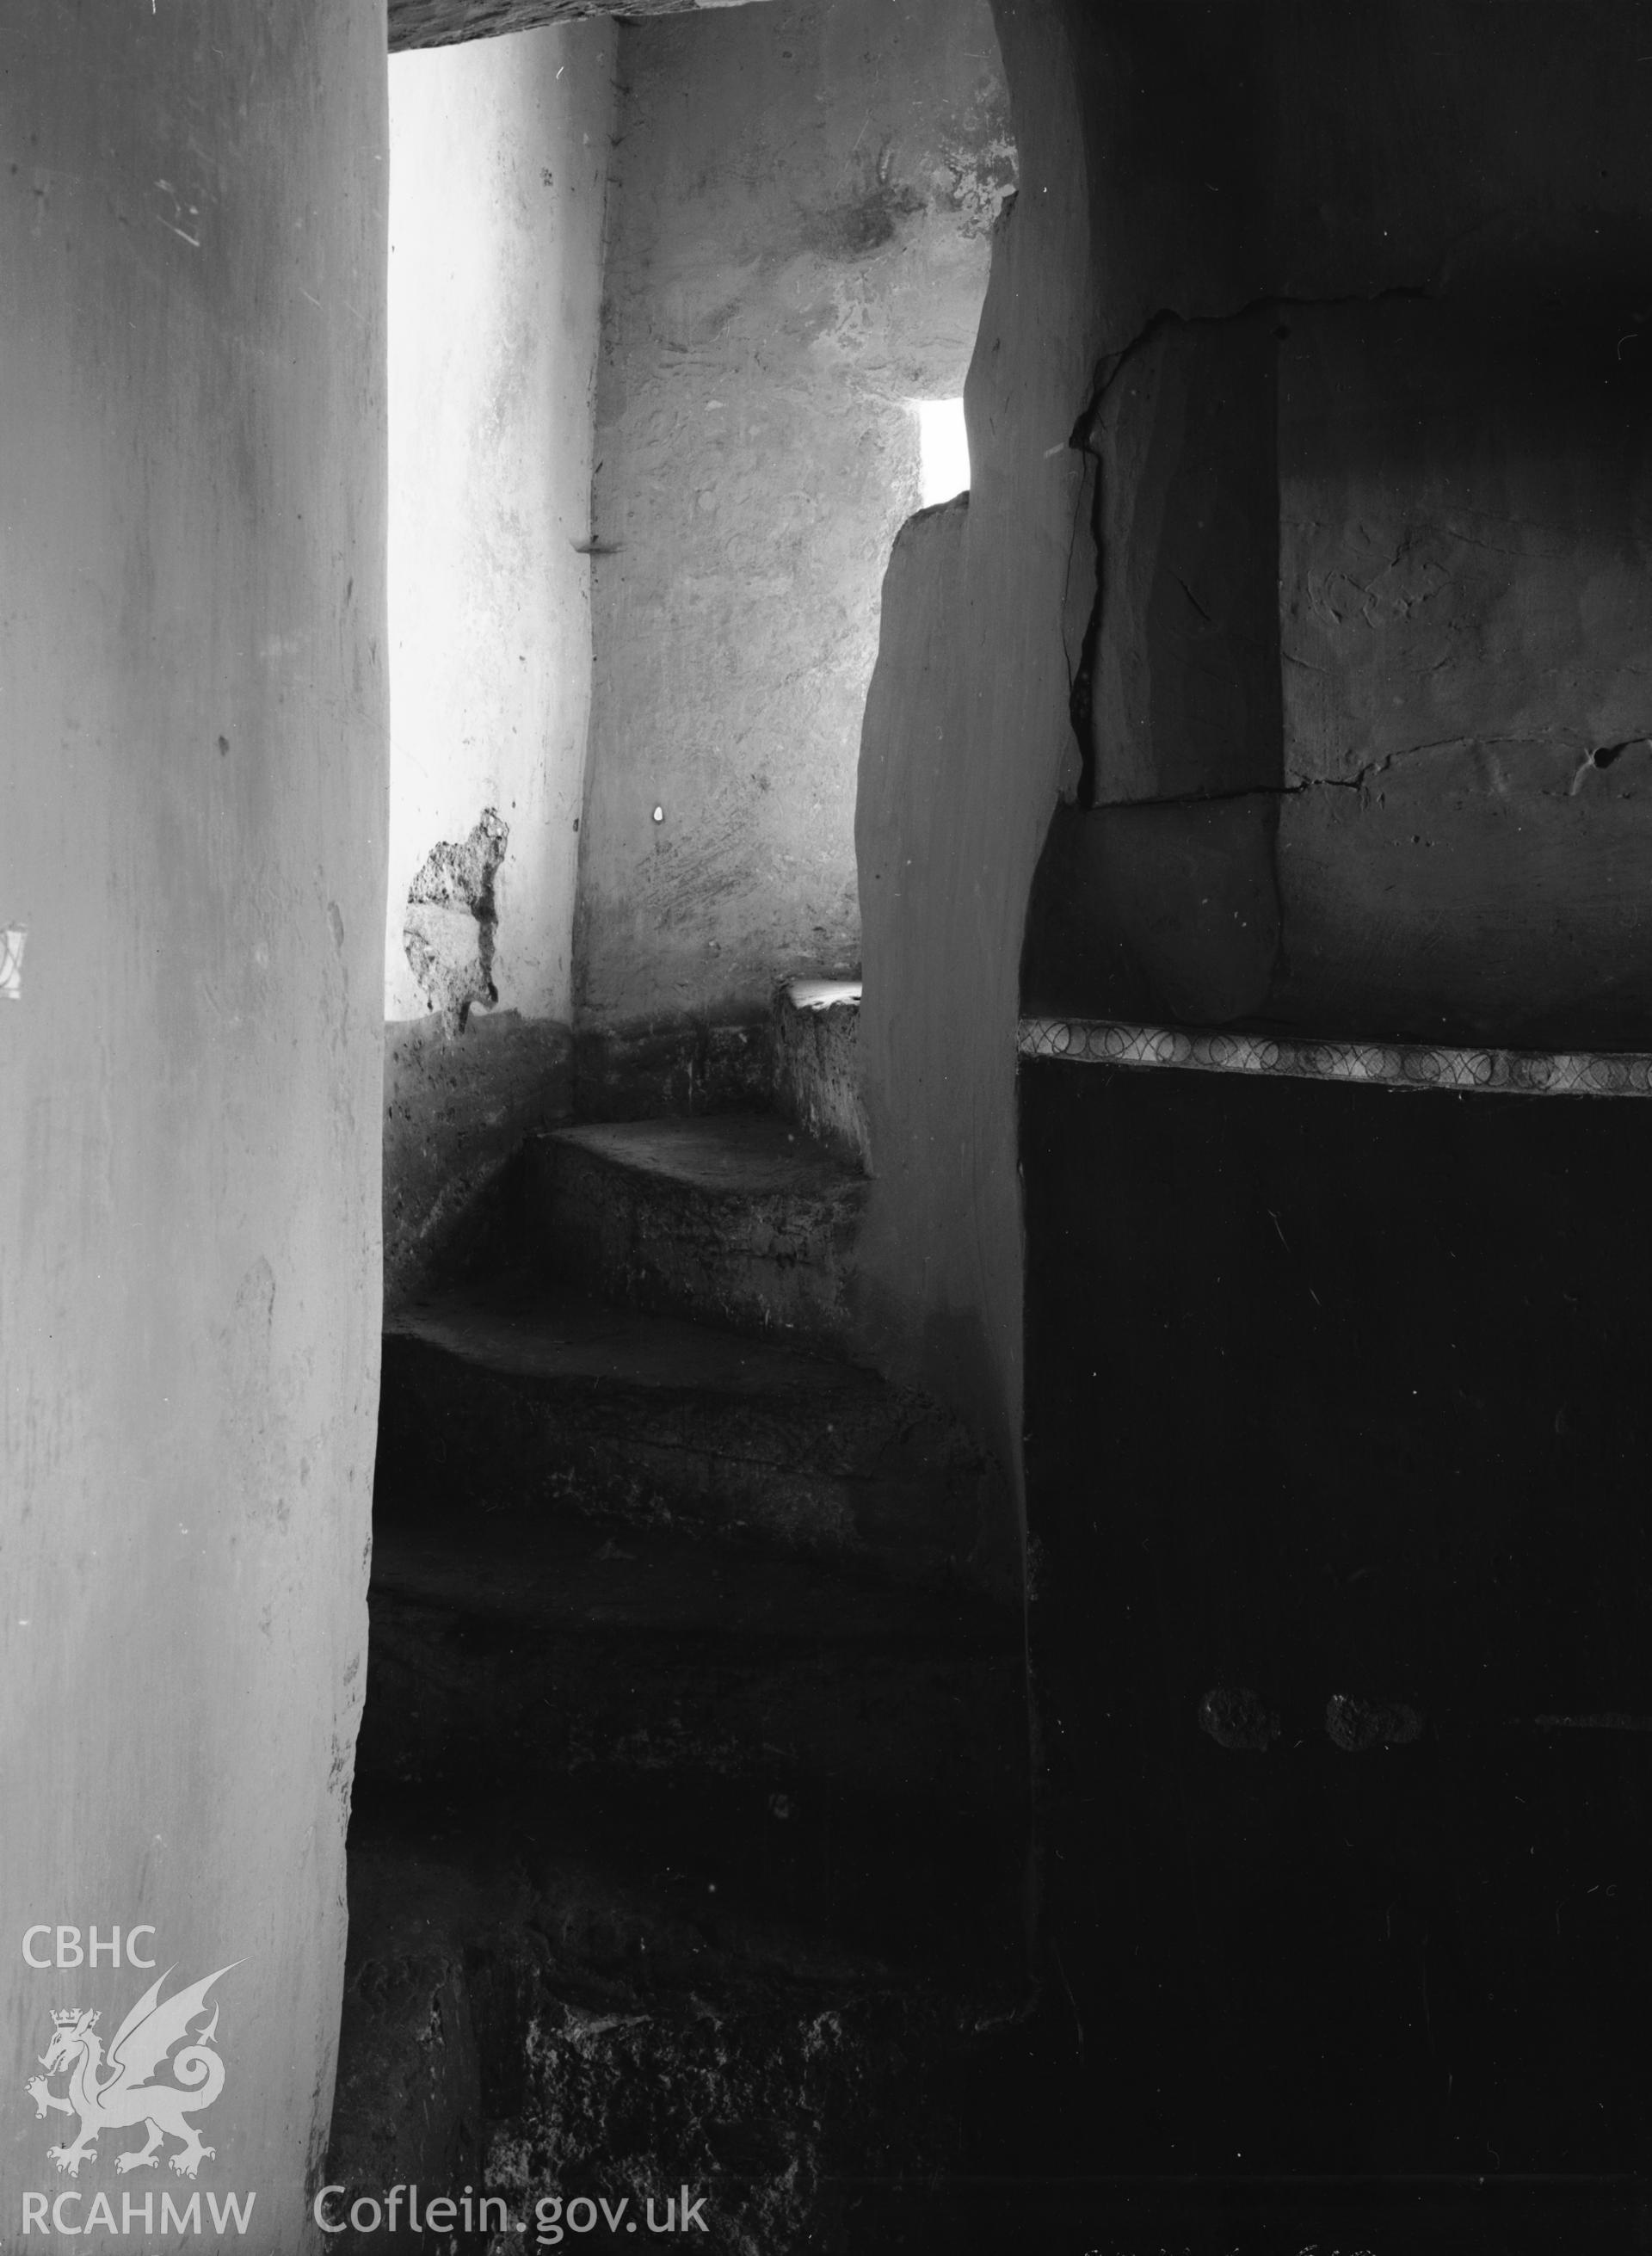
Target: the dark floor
pixel 691 1838
pixel 1336 1454
pixel 692 1841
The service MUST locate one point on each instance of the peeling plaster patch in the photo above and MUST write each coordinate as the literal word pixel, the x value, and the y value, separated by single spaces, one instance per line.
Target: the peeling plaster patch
pixel 451 922
pixel 977 180
pixel 11 942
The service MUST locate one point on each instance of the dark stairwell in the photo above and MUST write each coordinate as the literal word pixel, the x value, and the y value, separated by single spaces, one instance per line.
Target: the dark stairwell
pixel 688 1836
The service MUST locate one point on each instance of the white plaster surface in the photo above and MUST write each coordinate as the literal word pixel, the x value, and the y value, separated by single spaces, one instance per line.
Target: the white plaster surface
pixel 799 243
pixel 191 813
pixel 499 154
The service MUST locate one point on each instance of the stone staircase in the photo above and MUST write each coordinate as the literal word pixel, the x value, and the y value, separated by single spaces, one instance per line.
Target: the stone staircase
pixel 738 1221
pixel 689 1825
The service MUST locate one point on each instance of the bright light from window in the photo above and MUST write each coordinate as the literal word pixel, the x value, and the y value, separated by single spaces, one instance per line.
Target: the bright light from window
pixel 943 450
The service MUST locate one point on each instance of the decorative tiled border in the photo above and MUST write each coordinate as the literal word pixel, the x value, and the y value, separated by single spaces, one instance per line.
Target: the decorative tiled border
pixel 1383 1065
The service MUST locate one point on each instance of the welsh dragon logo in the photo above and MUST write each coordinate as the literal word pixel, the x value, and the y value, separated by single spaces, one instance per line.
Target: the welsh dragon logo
pixel 118 2095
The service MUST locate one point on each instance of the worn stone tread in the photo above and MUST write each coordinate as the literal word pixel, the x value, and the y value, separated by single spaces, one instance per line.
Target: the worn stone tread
pixel 567 1578
pixel 658 1880
pixel 508 1392
pixel 743 1155
pixel 526 1648
pixel 516 1323
pixel 632 1989
pixel 735 1219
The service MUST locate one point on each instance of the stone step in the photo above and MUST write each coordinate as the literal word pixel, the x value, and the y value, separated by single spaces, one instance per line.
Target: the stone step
pixel 529 1649
pixel 509 1392
pixel 616 1996
pixel 816 1081
pixel 736 1220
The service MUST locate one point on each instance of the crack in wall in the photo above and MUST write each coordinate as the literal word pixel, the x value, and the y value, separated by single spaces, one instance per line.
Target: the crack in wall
pixel 1081 670
pixel 1081 686
pixel 1110 364
pixel 1600 757
pixel 1291 789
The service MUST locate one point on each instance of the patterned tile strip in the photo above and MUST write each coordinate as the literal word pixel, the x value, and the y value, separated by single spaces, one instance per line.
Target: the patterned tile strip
pixel 1385 1065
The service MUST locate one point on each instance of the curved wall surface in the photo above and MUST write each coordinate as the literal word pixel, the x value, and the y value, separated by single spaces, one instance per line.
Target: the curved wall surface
pixel 1222 208
pixel 802 204
pixel 192 832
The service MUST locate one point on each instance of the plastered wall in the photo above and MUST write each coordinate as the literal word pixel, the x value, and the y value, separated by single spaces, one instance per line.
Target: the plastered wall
pixel 966 733
pixel 499 160
pixel 499 155
pixel 1198 165
pixel 801 203
pixel 191 830
pixel 1327 1390
pixel 1370 748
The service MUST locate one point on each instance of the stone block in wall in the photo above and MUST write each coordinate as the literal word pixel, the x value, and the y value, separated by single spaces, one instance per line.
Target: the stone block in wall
pixel 1453 840
pixel 1186 682
pixel 1492 890
pixel 1463 538
pixel 1465 607
pixel 1168 910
